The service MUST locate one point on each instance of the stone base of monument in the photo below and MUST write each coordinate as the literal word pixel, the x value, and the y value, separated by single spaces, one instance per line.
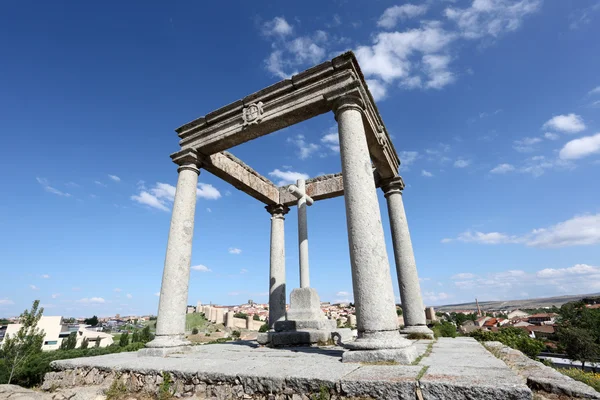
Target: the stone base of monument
pixel 306 324
pixel 380 346
pixel 422 329
pixel 458 369
pixel 162 346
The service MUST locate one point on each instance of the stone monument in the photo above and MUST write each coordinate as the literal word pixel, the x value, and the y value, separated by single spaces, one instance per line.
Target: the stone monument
pixel 369 160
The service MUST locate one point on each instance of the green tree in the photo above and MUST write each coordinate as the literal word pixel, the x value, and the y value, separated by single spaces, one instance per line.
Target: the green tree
pixel 256 317
pixel 444 329
pixel 240 315
pixel 18 349
pixel 579 344
pixel 84 343
pixel 195 331
pixel 135 337
pixel 512 337
pixel 146 336
pixel 264 328
pixel 91 321
pixel 124 340
pixel 399 311
pixel 70 342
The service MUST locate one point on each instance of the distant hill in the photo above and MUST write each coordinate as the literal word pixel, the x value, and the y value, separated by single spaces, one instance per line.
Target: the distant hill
pixel 513 304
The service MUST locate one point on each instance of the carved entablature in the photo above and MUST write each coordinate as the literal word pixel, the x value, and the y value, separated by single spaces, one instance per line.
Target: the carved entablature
pixel 310 93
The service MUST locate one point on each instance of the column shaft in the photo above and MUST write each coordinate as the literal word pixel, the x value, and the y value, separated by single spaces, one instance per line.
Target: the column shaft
pixel 277 293
pixel 303 237
pixel 372 284
pixel 170 325
pixel 408 279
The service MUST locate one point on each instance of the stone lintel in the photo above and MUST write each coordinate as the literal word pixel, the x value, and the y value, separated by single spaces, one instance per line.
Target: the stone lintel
pixel 304 96
pixel 320 188
pixel 232 170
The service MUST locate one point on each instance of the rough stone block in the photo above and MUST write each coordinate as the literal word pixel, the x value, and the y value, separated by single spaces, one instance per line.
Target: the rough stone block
pixel 381 382
pixel 305 305
pixel 323 324
pixel 403 356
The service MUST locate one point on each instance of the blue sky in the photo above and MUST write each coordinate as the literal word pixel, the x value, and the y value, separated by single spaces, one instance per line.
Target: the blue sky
pixel 493 106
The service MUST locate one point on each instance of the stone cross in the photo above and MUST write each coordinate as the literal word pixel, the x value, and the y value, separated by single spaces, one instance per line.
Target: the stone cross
pixel 299 190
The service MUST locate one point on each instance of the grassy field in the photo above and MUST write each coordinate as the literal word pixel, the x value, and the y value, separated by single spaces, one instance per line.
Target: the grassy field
pixel 195 321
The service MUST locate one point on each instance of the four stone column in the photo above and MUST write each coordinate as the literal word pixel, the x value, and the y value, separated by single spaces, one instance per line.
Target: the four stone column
pixel 277 264
pixel 377 323
pixel 170 325
pixel 408 280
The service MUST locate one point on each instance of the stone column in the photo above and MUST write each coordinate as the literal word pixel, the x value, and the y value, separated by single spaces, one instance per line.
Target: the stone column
pixel 277 264
pixel 303 236
pixel 377 324
pixel 170 324
pixel 408 279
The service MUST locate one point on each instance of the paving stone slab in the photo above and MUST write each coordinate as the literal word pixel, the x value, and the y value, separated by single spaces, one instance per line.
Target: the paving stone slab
pixel 455 369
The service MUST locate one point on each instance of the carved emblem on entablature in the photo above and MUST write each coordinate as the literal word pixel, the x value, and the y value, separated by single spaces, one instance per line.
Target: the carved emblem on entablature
pixel 252 114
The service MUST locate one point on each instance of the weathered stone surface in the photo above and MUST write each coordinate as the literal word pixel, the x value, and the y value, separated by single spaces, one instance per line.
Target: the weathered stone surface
pixel 402 356
pixel 322 324
pixel 305 305
pixel 245 370
pixel 540 377
pixel 382 382
pixel 277 286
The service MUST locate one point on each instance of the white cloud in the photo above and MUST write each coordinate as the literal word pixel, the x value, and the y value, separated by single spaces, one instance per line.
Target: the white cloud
pixel 129 296
pixel 278 26
pixel 491 17
pixel 289 54
pixel 538 165
pixel 460 163
pixel 502 169
pixel 243 271
pixel 114 178
pixel 287 177
pixel 207 191
pixel 342 294
pixel 578 269
pixel 162 195
pixel 569 123
pixel 45 276
pixel 433 297
pixel 150 200
pixel 580 278
pixel 50 189
pixel 390 16
pixel 377 88
pixel 6 302
pixel 55 295
pixel 526 145
pixel 100 183
pixel 33 287
pixel 332 139
pixel 208 209
pixel 92 300
pixel 415 57
pixel 551 136
pixel 578 231
pixel 201 268
pixel 582 147
pixel 235 250
pixel 305 149
pixel 463 276
pixel 157 294
pixel 117 290
pixel 595 90
pixel 426 174
pixel 408 157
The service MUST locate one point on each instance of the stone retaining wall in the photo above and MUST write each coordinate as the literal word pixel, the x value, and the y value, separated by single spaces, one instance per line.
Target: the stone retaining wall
pixel 188 385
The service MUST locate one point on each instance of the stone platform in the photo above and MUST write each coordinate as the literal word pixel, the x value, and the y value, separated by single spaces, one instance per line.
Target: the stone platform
pixel 448 369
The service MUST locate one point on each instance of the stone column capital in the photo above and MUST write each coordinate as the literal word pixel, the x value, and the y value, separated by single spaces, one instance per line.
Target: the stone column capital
pixel 277 210
pixel 392 185
pixel 346 102
pixel 187 159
